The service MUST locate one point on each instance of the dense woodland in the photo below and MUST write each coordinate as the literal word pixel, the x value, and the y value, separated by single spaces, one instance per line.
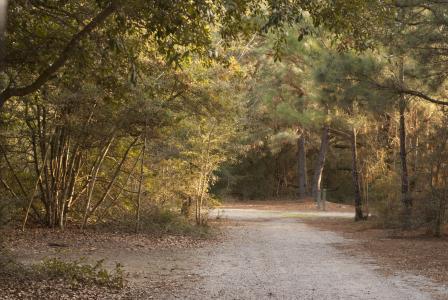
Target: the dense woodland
pixel 135 112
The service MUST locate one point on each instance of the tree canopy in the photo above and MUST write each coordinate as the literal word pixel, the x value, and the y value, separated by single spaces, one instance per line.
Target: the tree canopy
pixel 122 107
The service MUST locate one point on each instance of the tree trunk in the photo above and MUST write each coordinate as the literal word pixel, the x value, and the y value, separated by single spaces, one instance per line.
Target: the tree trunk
pixel 405 191
pixel 358 202
pixel 415 165
pixel 140 183
pixel 113 179
pixel 93 177
pixel 186 207
pixel 317 178
pixel 301 153
pixel 440 217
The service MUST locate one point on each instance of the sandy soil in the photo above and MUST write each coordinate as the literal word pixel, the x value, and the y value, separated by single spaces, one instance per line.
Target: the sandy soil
pixel 263 254
pixel 278 257
pixel 414 251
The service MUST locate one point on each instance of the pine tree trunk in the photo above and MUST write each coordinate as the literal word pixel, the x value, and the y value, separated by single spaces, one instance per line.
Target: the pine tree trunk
pixel 403 158
pixel 405 192
pixel 416 152
pixel 317 178
pixel 440 217
pixel 301 153
pixel 358 202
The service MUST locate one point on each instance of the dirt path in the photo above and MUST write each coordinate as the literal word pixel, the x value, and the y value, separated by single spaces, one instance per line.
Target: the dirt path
pixel 266 254
pixel 270 256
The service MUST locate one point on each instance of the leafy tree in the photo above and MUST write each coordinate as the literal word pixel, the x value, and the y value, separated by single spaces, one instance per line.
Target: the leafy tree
pixel 74 31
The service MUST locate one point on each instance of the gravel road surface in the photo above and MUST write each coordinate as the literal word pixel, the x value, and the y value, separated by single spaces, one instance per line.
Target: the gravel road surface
pixel 269 255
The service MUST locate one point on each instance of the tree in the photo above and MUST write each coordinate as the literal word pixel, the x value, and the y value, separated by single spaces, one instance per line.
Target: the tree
pixel 176 28
pixel 320 163
pixel 341 79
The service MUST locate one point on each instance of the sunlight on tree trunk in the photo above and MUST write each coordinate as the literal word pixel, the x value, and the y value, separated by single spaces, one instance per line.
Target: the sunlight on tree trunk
pixel 320 163
pixel 355 175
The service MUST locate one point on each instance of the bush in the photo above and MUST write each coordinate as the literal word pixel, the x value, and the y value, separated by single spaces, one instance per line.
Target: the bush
pixel 389 210
pixel 386 204
pixel 8 265
pixel 76 272
pixel 155 220
pixel 162 220
pixel 7 211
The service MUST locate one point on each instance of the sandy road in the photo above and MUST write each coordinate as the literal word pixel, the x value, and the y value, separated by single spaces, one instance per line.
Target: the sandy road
pixel 270 255
pixel 263 254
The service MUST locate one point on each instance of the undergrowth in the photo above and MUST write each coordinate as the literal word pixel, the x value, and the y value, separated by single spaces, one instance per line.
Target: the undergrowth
pixel 157 221
pixel 69 272
pixel 79 272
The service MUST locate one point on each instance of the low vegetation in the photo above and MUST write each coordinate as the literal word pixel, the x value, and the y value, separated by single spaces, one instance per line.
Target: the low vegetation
pixel 77 272
pixel 57 278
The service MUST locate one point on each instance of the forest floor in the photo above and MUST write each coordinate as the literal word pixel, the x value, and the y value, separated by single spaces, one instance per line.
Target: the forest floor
pixel 144 257
pixel 413 251
pixel 264 250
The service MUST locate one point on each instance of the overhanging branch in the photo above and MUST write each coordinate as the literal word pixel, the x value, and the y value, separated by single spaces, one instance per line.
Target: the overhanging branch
pixel 63 57
pixel 401 90
pixel 423 96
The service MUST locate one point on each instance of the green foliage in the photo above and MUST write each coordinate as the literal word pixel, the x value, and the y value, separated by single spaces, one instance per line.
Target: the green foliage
pixel 152 110
pixel 77 272
pixel 387 205
pixel 8 264
pixel 164 221
pixel 256 175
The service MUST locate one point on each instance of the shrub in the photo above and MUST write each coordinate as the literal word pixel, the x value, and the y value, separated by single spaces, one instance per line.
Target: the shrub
pixel 386 205
pixel 162 220
pixel 78 272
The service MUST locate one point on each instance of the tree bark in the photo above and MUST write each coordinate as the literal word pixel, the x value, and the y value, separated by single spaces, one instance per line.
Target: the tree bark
pixel 140 183
pixel 405 192
pixel 317 178
pixel 301 153
pixel 440 216
pixel 355 176
pixel 415 154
